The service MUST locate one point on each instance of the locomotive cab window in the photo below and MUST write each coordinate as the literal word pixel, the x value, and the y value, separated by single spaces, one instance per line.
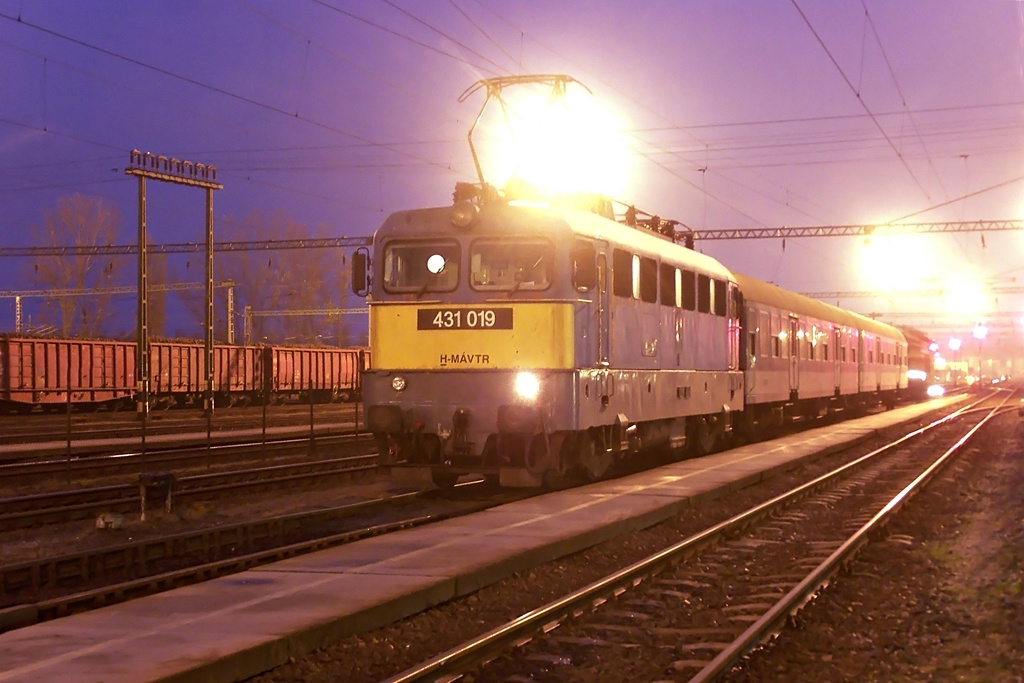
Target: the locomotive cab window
pixel 584 266
pixel 507 265
pixel 421 266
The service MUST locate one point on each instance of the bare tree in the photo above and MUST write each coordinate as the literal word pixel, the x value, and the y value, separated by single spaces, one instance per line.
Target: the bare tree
pixel 283 280
pixel 79 221
pixel 157 299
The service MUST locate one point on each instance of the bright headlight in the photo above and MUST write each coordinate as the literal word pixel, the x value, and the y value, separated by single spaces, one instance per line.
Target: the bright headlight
pixel 527 386
pixel 936 390
pixel 919 375
pixel 398 383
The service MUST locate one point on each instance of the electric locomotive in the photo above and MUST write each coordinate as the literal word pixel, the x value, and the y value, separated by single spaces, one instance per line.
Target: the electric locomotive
pixel 523 341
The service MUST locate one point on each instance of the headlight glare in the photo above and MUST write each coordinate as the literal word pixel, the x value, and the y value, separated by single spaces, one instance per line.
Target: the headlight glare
pixel 527 386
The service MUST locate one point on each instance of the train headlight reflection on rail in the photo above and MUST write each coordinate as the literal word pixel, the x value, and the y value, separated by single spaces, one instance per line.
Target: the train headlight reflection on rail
pixel 527 386
pixel 398 383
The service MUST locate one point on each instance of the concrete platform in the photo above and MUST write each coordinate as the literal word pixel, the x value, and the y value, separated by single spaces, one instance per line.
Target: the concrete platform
pixel 237 626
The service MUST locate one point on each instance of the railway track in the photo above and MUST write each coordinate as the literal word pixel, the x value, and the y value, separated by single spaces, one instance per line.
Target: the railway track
pixel 695 607
pixel 34 510
pixel 49 588
pixel 51 472
pixel 124 425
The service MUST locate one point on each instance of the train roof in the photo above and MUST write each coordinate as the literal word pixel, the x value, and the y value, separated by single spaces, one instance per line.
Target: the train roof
pixel 498 218
pixel 773 295
pixel 916 337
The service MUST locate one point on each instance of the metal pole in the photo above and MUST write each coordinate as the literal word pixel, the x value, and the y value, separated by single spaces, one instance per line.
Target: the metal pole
pixel 247 325
pixel 209 300
pixel 17 314
pixel 312 439
pixel 142 352
pixel 69 414
pixel 231 314
pixel 209 321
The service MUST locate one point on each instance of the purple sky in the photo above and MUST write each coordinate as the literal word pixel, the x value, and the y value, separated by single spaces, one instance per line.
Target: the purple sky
pixel 735 114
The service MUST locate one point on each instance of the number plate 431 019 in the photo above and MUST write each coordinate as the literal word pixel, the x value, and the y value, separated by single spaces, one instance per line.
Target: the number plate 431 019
pixel 464 319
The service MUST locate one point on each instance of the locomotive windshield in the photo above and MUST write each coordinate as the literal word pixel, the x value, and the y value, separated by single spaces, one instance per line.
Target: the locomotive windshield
pixel 421 266
pixel 511 265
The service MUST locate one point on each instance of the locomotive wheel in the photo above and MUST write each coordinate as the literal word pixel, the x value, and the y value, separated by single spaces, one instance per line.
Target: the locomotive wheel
pixel 703 435
pixel 554 477
pixel 539 457
pixel 595 461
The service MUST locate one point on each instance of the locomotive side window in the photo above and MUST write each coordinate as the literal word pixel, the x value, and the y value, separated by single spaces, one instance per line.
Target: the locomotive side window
pixel 508 265
pixel 703 294
pixel 421 266
pixel 622 273
pixel 689 290
pixel 647 279
pixel 720 292
pixel 669 287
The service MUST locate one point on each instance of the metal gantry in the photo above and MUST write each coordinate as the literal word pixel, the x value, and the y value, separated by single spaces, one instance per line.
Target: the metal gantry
pixel 862 230
pixel 145 165
pixel 248 314
pixel 341 242
pixel 189 247
pixel 19 294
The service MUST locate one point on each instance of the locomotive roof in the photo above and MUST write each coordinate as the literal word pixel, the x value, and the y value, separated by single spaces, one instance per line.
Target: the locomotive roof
pixel 767 293
pixel 499 219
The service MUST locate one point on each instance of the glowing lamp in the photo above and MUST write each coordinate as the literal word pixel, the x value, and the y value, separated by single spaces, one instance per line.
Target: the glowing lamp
pixel 463 215
pixel 527 386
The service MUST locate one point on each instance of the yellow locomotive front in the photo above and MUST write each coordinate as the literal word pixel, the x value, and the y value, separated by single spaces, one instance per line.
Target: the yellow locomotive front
pixel 473 335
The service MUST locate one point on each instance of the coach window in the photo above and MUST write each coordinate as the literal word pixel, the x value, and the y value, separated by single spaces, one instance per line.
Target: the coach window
pixel 752 318
pixel 764 328
pixel 646 278
pixel 668 286
pixel 421 266
pixel 703 294
pixel 507 265
pixel 622 273
pixel 777 337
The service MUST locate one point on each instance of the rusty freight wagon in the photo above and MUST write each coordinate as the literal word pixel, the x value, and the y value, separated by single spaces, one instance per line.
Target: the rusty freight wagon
pixel 54 372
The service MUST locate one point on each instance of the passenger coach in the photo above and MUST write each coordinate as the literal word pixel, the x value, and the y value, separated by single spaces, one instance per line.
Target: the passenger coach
pixel 805 358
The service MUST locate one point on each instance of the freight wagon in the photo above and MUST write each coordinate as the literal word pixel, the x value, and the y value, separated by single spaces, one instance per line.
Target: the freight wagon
pixel 92 374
